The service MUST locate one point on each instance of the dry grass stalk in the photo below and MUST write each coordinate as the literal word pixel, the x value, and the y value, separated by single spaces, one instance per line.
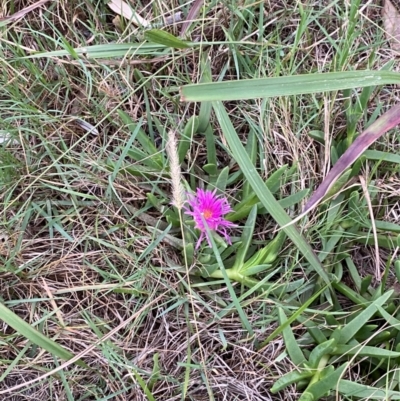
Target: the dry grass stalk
pixel 178 192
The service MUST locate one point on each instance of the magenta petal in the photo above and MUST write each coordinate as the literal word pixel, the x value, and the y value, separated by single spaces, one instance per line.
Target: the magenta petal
pixel 208 208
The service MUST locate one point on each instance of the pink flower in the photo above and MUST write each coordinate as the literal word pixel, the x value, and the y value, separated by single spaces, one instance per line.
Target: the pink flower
pixel 209 208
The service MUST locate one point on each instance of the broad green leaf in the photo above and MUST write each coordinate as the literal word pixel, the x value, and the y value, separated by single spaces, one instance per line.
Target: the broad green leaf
pixel 35 336
pixel 354 273
pixel 293 199
pixel 274 181
pixel 262 192
pixel 251 149
pixel 383 226
pixel 210 145
pixel 210 169
pixel 397 269
pixel 256 269
pixel 365 283
pixel 366 332
pixel 166 39
pixel 286 85
pixel 350 294
pixel 242 209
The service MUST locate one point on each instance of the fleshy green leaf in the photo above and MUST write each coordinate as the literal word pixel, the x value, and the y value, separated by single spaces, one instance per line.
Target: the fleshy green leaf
pixel 292 347
pixel 352 389
pixel 349 331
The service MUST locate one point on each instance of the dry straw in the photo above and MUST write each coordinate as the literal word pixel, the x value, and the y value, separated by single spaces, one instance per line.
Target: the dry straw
pixel 178 191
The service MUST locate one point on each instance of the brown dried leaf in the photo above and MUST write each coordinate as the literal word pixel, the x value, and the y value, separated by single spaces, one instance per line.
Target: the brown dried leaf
pixel 192 15
pixel 122 8
pixel 391 24
pixel 21 13
pixel 383 124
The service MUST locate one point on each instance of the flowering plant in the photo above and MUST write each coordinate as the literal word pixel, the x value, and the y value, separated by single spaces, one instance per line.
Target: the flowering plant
pixel 208 210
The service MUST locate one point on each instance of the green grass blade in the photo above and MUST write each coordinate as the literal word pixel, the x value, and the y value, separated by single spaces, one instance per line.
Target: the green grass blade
pixel 107 50
pixel 33 335
pixel 263 193
pixel 143 385
pixel 247 237
pixel 286 85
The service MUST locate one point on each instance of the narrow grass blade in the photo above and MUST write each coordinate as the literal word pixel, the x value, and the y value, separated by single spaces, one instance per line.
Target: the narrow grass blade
pixel 33 335
pixel 313 329
pixel 265 196
pixel 247 237
pixel 286 86
pixel 187 137
pixel 383 124
pixel 242 315
pixel 109 50
pixel 143 385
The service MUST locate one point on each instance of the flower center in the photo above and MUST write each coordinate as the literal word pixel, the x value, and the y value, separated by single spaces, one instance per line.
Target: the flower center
pixel 207 214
